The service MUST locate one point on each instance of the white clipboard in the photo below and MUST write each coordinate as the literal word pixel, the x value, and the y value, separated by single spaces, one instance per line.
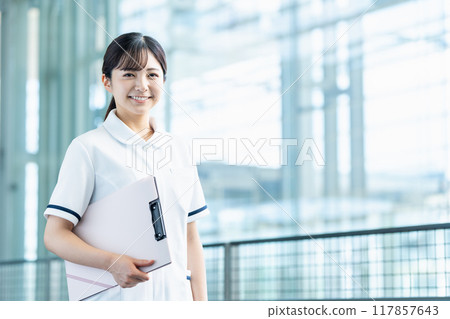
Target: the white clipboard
pixel 130 222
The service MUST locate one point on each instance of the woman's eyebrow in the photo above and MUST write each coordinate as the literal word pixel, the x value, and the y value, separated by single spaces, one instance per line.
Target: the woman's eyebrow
pixel 153 69
pixel 147 70
pixel 128 69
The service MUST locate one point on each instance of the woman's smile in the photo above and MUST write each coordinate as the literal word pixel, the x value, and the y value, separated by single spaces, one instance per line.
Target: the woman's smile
pixel 139 99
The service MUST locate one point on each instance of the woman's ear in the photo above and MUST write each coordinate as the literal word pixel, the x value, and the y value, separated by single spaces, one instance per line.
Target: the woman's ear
pixel 106 83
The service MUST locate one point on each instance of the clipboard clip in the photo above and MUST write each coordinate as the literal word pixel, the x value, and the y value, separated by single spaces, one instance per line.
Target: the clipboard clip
pixel 157 219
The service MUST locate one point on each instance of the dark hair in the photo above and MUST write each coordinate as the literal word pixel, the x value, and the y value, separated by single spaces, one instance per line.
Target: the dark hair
pixel 130 51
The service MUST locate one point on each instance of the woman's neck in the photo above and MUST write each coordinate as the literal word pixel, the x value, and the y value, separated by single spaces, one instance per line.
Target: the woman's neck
pixel 138 123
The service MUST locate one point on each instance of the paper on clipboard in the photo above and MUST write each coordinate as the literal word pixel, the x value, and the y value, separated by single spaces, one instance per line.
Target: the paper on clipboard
pixel 129 222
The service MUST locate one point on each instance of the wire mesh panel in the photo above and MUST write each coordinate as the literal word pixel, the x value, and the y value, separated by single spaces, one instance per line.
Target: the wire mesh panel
pixel 409 262
pixel 214 262
pixel 33 280
pixel 11 277
pixel 58 282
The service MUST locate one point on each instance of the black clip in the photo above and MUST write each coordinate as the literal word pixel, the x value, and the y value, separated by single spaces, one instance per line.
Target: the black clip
pixel 157 219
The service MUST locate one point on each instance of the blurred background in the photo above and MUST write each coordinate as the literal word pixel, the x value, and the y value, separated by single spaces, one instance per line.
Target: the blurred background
pixel 362 212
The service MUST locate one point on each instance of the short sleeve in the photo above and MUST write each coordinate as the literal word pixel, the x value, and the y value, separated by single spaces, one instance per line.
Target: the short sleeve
pixel 75 185
pixel 187 182
pixel 198 207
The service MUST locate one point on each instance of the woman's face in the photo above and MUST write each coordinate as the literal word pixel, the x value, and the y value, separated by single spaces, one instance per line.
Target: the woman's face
pixel 136 92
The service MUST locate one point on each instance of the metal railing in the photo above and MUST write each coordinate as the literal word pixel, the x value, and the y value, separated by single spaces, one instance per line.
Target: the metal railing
pixel 42 279
pixel 391 263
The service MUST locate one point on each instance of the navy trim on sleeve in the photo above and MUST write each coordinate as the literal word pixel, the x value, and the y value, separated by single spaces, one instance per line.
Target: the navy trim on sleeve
pixel 65 210
pixel 197 211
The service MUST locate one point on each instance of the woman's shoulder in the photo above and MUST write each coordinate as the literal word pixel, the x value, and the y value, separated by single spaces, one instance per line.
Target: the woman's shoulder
pixel 91 138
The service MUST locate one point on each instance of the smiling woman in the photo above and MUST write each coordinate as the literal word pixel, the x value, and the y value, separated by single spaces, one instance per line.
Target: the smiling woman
pixel 135 92
pixel 137 63
pixel 96 165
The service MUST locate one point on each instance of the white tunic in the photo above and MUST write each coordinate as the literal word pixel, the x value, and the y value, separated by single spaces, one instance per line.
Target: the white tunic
pixel 112 156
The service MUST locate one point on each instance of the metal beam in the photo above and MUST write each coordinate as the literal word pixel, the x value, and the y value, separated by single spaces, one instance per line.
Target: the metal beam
pixel 13 102
pixel 356 94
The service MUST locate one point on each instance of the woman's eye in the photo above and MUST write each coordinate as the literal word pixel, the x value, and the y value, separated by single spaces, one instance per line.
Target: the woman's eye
pixel 153 75
pixel 128 74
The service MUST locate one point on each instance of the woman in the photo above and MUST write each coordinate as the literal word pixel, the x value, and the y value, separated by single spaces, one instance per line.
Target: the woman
pixel 97 163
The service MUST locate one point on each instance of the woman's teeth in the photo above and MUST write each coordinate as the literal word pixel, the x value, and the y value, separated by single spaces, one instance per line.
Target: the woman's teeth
pixel 139 98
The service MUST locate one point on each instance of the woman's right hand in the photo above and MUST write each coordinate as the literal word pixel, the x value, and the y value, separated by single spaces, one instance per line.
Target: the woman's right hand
pixel 126 272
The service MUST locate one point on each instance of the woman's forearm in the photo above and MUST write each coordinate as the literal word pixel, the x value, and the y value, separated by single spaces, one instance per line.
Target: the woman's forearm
pixel 60 240
pixel 196 264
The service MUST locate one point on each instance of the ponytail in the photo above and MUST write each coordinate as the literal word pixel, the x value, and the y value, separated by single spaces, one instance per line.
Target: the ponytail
pixel 111 107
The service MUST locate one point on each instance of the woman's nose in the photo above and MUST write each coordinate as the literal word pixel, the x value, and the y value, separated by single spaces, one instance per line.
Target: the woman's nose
pixel 141 84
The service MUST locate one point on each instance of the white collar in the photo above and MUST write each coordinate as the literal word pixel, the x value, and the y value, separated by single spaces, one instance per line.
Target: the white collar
pixel 121 132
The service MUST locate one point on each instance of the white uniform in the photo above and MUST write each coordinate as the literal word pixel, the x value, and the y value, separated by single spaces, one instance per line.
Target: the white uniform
pixel 112 156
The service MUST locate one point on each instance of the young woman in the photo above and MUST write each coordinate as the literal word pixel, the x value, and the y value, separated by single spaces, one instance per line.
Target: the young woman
pixel 97 163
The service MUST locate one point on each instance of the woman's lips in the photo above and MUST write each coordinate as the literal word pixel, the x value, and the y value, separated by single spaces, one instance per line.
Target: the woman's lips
pixel 140 99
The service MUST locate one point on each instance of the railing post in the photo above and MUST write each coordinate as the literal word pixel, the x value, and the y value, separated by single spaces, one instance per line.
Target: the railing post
pixel 227 271
pixel 48 279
